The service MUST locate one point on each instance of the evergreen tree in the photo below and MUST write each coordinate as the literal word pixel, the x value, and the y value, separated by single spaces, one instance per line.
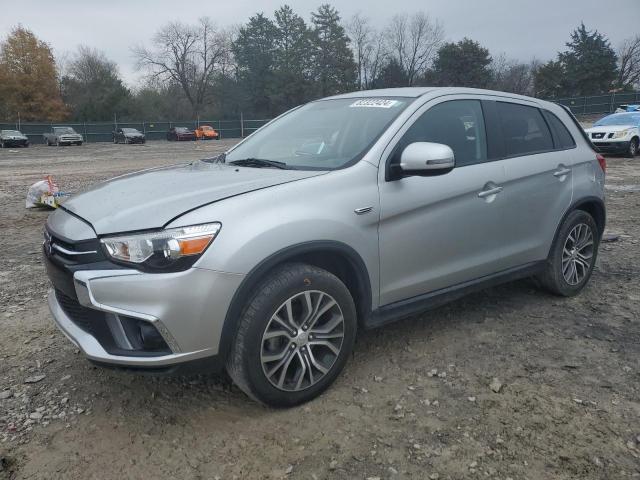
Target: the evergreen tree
pixel 334 66
pixel 549 80
pixel 590 64
pixel 255 53
pixel 392 75
pixel 292 61
pixel 462 64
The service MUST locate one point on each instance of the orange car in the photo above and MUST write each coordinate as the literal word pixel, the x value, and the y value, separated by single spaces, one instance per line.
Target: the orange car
pixel 205 132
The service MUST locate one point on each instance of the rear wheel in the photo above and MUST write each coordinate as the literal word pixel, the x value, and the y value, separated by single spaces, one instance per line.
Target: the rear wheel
pixel 573 255
pixel 633 148
pixel 294 336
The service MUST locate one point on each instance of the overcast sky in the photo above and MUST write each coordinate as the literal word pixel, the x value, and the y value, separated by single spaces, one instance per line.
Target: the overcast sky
pixel 522 29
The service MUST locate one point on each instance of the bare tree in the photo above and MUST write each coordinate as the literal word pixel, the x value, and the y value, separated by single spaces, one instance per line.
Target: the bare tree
pixel 413 42
pixel 187 55
pixel 512 76
pixel 368 47
pixel 629 63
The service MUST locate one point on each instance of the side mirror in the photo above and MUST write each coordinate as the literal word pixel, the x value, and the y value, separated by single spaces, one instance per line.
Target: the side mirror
pixel 426 158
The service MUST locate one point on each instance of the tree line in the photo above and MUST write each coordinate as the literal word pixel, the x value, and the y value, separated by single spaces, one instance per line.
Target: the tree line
pixel 273 63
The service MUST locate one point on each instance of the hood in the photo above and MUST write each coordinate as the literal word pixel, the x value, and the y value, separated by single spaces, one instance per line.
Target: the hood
pixel 609 128
pixel 14 137
pixel 134 135
pixel 152 198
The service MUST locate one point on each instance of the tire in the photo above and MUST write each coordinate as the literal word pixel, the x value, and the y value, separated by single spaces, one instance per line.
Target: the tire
pixel 247 362
pixel 115 140
pixel 566 274
pixel 632 151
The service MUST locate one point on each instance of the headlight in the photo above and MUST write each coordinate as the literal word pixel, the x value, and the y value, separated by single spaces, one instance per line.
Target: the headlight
pixel 175 248
pixel 622 133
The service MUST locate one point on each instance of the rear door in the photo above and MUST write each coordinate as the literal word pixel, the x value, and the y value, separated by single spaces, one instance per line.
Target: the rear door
pixel 538 179
pixel 439 231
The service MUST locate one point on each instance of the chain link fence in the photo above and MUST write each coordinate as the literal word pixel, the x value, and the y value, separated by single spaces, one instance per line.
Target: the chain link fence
pixel 102 131
pixel 599 103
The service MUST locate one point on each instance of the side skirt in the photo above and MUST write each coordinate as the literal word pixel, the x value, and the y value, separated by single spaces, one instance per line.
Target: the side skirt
pixel 428 301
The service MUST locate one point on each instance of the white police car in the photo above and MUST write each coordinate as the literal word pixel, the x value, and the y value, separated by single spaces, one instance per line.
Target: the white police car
pixel 617 133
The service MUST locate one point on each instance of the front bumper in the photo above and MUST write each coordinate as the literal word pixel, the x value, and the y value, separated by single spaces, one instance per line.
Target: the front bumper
pixel 612 147
pixel 186 308
pixel 11 142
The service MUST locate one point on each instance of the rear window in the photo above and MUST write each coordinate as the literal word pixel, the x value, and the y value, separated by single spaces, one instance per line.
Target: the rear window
pixel 524 129
pixel 563 138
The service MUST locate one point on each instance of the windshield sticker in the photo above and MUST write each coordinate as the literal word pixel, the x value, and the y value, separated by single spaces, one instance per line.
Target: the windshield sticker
pixel 374 103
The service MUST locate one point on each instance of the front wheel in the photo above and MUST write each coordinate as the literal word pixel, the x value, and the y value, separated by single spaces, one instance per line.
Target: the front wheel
pixel 573 255
pixel 632 151
pixel 294 336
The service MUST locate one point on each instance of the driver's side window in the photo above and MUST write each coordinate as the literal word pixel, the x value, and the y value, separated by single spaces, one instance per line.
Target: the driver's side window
pixel 456 123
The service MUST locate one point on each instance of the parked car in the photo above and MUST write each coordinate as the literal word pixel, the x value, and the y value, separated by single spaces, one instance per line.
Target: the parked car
pixel 340 215
pixel 617 133
pixel 13 138
pixel 128 135
pixel 62 136
pixel 205 132
pixel 180 133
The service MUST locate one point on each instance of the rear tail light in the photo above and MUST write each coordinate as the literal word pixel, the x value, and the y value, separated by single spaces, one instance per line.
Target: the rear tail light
pixel 603 162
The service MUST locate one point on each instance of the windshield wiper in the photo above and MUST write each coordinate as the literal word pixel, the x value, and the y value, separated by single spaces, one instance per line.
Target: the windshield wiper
pixel 259 162
pixel 217 159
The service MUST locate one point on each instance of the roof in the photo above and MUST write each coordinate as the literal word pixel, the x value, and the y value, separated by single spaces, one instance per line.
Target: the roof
pixel 414 92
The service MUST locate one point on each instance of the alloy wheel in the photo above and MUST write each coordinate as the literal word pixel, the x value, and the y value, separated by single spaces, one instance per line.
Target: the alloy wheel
pixel 577 254
pixel 302 340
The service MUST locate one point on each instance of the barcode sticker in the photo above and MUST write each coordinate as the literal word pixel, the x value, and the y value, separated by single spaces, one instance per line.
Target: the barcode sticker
pixel 374 103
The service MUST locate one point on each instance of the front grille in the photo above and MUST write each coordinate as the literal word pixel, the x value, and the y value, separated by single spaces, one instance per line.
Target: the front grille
pixel 72 253
pixel 85 318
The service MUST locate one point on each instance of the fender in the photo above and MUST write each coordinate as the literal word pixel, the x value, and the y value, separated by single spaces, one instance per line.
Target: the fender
pixel 248 285
pixel 601 222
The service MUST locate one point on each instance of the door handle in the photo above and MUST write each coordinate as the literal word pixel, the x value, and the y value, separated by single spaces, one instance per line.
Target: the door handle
pixel 491 191
pixel 562 172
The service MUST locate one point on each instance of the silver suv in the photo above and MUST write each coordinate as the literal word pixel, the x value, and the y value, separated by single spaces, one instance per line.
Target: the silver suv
pixel 342 214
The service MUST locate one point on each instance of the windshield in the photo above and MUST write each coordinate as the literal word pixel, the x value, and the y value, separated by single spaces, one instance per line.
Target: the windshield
pixel 130 130
pixel 619 119
pixel 322 135
pixel 206 127
pixel 63 130
pixel 10 132
pixel 181 129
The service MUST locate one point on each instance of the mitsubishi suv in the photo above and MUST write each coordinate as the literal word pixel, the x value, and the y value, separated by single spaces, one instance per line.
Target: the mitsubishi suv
pixel 340 215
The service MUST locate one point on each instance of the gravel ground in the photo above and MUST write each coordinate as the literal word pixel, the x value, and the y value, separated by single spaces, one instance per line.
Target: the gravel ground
pixel 507 383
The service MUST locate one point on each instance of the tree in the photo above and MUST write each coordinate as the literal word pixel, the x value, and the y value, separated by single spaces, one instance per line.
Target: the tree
pixel 187 55
pixel 462 64
pixel 629 64
pixel 391 75
pixel 413 43
pixel 589 63
pixel 334 66
pixel 512 76
pixel 292 60
pixel 549 79
pixel 368 49
pixel 28 79
pixel 255 53
pixel 92 87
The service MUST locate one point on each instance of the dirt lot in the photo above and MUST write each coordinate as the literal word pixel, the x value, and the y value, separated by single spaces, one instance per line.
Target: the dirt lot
pixel 414 401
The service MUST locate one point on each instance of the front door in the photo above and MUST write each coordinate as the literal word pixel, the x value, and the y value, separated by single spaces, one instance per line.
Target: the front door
pixel 440 231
